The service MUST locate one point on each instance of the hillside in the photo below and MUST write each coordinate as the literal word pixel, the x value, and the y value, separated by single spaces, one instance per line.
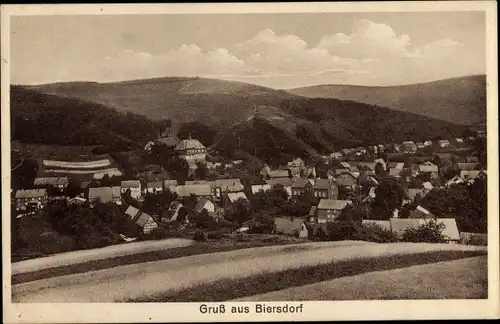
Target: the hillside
pixel 458 100
pixel 47 119
pixel 215 102
pixel 272 125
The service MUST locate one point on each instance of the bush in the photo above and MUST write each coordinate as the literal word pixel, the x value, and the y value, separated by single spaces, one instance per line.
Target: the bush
pixel 375 233
pixel 199 236
pixel 430 232
pixel 474 239
pixel 217 235
pixel 341 230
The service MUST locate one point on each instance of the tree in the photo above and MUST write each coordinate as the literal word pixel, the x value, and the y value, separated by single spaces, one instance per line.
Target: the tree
pixel 201 171
pixel 380 170
pixel 73 189
pixel 388 197
pixel 24 175
pixel 199 131
pixel 238 212
pixel 353 213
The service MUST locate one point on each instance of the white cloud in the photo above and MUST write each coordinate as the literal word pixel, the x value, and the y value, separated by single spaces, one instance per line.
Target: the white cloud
pixel 371 53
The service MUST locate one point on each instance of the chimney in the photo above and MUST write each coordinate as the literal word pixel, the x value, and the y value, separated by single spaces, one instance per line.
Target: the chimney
pixel 190 136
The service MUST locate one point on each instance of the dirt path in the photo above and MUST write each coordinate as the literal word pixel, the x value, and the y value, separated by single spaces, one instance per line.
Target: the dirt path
pixel 112 251
pixel 154 278
pixel 458 279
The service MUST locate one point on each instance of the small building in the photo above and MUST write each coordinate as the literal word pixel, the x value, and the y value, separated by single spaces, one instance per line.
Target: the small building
pixel 169 183
pixel 443 143
pixel 472 175
pixel 396 165
pixel 330 209
pixel 288 225
pixel 413 192
pixel 421 213
pixel 77 201
pixel 471 159
pixel 285 182
pixel 336 155
pixel 428 186
pixel 384 224
pixel 134 186
pixel 31 199
pixel 221 186
pixel 199 190
pixel 60 183
pixel 274 174
pixel 453 181
pixel 231 197
pixel 450 232
pixel 259 188
pixel 105 195
pixel 408 147
pixel 298 162
pixel 146 222
pixel 468 166
pixel 154 187
pixel 300 186
pixel 347 179
pixel 206 204
pixel 324 188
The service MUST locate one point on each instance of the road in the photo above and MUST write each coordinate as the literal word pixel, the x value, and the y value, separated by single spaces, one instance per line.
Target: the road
pixel 147 280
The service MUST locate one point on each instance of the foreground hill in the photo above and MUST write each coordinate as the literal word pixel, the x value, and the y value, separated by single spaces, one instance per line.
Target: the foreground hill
pixel 458 100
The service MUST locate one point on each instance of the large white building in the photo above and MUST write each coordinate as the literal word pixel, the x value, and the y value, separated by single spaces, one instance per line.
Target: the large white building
pixel 191 150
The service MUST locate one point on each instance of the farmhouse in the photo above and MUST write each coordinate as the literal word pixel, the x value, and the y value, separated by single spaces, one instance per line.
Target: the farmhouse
pixel 301 186
pixel 144 221
pixel 191 150
pixel 105 195
pixel 330 209
pixel 134 186
pixel 31 199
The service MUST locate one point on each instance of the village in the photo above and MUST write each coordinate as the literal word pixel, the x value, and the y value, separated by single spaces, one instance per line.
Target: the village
pixel 380 185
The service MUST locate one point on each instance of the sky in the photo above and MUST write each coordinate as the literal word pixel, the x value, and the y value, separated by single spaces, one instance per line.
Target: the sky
pixel 283 50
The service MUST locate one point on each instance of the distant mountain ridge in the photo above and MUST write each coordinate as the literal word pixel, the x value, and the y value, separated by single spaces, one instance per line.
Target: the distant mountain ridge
pixel 457 100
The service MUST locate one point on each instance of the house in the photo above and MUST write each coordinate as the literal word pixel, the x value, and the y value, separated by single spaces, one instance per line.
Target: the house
pixel 427 167
pixel 169 183
pixel 347 179
pixel 453 181
pixel 146 222
pixel 154 187
pixel 60 183
pixel 408 147
pixel 206 204
pixel 468 166
pixel 31 199
pixel 428 143
pixel 470 176
pixel 112 172
pixel 134 186
pixel 257 188
pixel 413 192
pixel 330 209
pixel 395 165
pixel 274 174
pixel 450 232
pixel 290 226
pixel 420 145
pixel 443 143
pixel 231 197
pixel 199 190
pixel 345 165
pixel 400 225
pixel 336 155
pixel 285 182
pixel 471 159
pixel 312 213
pixel 298 162
pixel 421 213
pixel 191 150
pixel 428 186
pixel 222 186
pixel 370 166
pixel 105 195
pixel 346 152
pixel 77 201
pixel 325 188
pixel 385 224
pixel 173 212
pixel 300 186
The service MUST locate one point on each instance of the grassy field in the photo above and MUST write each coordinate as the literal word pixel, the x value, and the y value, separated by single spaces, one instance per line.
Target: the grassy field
pixel 212 276
pixel 458 279
pixel 131 253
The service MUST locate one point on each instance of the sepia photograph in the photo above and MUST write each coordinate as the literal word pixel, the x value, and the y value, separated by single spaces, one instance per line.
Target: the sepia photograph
pixel 245 161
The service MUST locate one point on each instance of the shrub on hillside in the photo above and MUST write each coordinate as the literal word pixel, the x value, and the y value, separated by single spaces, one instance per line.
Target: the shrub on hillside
pixel 341 230
pixel 430 232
